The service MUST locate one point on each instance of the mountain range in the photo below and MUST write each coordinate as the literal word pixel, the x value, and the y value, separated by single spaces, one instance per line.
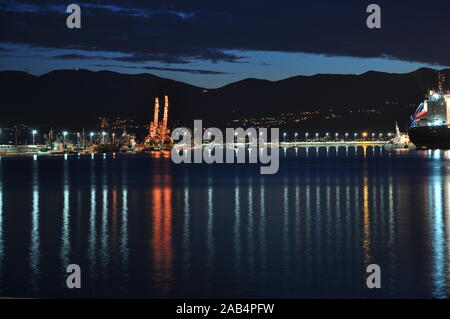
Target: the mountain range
pixel 76 98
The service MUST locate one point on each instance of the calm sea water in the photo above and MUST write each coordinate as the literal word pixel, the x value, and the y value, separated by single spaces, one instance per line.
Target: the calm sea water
pixel 141 226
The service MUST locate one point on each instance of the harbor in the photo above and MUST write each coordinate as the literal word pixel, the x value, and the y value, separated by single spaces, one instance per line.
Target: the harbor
pixel 63 142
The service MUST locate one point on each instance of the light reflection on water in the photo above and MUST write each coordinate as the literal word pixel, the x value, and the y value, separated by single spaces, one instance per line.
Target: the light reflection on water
pixel 65 231
pixel 35 231
pixel 141 226
pixel 2 241
pixel 435 213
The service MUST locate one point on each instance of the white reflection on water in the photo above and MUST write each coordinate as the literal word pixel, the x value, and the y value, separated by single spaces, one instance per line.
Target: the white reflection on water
pixel 297 218
pixel 65 232
pixel 391 229
pixel 210 229
pixel 104 234
pixel 124 250
pixel 186 231
pixel 437 230
pixel 92 224
pixel 308 216
pixel 328 223
pixel 338 218
pixel 2 240
pixel 250 214
pixel 34 251
pixel 262 229
pixel 286 254
pixel 318 220
pixel 237 228
pixel 447 218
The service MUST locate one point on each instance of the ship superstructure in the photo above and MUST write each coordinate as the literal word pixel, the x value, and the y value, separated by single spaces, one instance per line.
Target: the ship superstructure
pixel 430 123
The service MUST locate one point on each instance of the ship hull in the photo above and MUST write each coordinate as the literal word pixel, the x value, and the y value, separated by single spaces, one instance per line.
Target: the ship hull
pixel 433 137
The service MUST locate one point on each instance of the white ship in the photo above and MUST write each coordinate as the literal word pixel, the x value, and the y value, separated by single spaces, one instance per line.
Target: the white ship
pixel 18 149
pixel 400 141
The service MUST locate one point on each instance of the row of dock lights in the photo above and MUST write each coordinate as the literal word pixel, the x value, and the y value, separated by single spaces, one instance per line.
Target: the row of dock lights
pixel 317 136
pixel 337 135
pixel 65 134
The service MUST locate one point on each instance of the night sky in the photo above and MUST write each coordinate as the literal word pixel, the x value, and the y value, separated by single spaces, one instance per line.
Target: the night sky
pixel 211 43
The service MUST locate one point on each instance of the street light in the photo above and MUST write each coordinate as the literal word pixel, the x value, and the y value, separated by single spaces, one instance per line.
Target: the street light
pixel 64 139
pixel 346 135
pixel 296 136
pixel 317 136
pixel 336 135
pixel 33 132
pixel 91 135
pixel 306 136
pixel 356 134
pixel 284 136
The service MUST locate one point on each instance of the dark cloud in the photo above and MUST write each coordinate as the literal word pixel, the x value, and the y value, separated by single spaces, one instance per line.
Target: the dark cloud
pixel 180 31
pixel 76 56
pixel 19 56
pixel 149 68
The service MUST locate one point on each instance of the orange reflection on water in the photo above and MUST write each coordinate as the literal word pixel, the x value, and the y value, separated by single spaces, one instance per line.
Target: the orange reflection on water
pixel 160 154
pixel 155 154
pixel 114 225
pixel 162 232
pixel 366 221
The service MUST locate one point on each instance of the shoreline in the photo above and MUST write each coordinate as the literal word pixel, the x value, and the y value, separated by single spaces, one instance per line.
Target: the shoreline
pixel 281 145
